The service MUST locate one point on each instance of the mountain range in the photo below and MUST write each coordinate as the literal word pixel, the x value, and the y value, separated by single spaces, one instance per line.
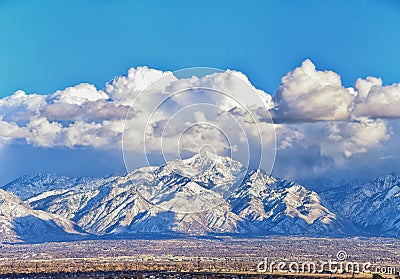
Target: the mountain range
pixel 203 195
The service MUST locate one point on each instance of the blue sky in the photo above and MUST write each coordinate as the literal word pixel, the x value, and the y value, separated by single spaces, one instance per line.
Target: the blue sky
pixel 49 45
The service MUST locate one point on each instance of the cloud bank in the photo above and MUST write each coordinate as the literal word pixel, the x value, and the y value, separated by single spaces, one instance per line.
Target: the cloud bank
pixel 321 126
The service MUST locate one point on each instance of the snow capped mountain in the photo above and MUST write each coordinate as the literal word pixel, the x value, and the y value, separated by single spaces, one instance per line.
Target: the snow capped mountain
pixel 205 194
pixel 147 200
pixel 281 207
pixel 19 222
pixel 28 186
pixel 374 208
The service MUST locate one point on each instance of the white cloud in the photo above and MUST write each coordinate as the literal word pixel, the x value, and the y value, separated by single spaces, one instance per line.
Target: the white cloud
pixel 375 100
pixel 322 125
pixel 364 85
pixel 307 94
pixel 336 140
pixel 82 115
pixel 78 94
pixel 339 149
pixel 42 132
pixel 356 137
pixel 86 134
pixel 21 99
pixel 10 130
pixel 124 89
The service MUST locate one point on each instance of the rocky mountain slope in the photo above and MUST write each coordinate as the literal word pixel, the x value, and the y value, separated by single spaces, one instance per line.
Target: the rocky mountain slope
pixel 203 195
pixel 374 207
pixel 20 223
pixel 206 194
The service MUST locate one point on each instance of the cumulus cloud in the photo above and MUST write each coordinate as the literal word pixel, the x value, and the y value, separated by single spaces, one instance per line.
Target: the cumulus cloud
pixel 323 149
pixel 83 115
pixel 307 94
pixel 125 89
pixel 20 106
pixel 9 130
pixel 96 111
pixel 180 115
pixel 375 100
pixel 78 94
pixel 337 140
pixel 319 124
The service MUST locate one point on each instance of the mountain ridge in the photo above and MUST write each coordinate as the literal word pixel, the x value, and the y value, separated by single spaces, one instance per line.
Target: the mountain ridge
pixel 202 195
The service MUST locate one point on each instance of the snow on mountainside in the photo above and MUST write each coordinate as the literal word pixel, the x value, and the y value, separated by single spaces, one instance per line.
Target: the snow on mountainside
pixel 281 207
pixel 201 195
pixel 28 186
pixel 147 200
pixel 19 222
pixel 374 208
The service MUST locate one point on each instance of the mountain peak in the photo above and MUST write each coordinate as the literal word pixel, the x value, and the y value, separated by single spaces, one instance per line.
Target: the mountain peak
pixel 204 163
pixel 206 193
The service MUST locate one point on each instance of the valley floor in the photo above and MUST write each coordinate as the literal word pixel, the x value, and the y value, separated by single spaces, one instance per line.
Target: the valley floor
pixel 194 255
